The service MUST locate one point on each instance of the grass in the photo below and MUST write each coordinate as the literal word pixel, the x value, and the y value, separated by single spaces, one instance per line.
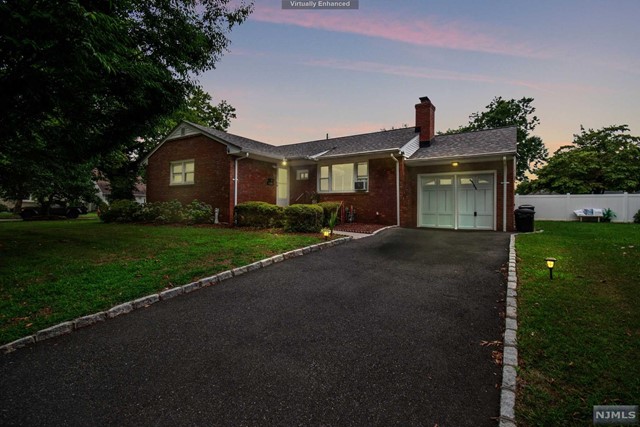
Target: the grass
pixel 8 215
pixel 54 271
pixel 579 335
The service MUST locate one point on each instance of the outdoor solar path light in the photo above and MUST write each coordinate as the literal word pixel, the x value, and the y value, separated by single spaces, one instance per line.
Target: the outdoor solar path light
pixel 551 262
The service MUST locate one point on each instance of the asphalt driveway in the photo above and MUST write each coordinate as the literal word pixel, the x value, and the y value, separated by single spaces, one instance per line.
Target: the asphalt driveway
pixel 380 331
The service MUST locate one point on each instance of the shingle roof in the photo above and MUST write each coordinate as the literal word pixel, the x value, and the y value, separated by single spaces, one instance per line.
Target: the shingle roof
pixel 245 144
pixel 477 143
pixel 467 144
pixel 347 145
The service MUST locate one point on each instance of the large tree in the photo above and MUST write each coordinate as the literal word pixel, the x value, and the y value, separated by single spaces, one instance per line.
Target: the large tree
pixel 606 159
pixel 531 151
pixel 82 80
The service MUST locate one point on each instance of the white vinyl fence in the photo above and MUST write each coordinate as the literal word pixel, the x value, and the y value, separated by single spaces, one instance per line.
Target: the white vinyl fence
pixel 561 207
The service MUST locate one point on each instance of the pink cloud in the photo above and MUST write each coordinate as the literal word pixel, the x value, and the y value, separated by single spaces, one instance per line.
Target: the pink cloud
pixel 423 32
pixel 397 70
pixel 435 74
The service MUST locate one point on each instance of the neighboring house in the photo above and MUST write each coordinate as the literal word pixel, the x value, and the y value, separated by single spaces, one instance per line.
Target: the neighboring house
pixel 408 176
pixel 103 191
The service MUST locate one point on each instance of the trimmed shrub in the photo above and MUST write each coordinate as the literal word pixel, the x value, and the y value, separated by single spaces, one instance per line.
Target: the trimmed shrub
pixel 328 208
pixel 259 214
pixel 148 212
pixel 636 217
pixel 120 211
pixel 170 213
pixel 4 208
pixel 159 212
pixel 303 218
pixel 198 212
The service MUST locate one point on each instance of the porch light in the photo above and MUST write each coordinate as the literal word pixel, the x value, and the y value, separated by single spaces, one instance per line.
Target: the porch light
pixel 551 262
pixel 284 162
pixel 455 164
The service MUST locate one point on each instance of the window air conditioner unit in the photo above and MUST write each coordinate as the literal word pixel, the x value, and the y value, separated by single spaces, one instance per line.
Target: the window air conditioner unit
pixel 360 185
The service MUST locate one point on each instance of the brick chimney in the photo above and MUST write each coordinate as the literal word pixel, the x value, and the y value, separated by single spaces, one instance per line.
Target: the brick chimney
pixel 425 120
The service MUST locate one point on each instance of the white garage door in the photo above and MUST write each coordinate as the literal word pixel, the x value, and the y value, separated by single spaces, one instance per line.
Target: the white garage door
pixel 460 201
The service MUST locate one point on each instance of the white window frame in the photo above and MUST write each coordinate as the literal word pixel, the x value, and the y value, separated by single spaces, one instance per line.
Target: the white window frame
pixel 328 179
pixel 302 174
pixel 183 164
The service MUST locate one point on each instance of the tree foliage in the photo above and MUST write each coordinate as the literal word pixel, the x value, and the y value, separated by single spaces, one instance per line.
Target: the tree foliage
pixel 606 159
pixel 83 80
pixel 531 151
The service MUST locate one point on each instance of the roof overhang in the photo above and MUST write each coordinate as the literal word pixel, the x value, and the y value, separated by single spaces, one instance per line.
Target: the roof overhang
pixel 488 157
pixel 232 149
pixel 369 154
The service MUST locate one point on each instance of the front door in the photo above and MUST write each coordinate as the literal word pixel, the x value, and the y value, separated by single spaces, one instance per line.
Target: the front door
pixel 282 190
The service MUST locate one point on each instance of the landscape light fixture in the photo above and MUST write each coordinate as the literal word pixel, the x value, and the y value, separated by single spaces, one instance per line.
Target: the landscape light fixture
pixel 326 234
pixel 551 262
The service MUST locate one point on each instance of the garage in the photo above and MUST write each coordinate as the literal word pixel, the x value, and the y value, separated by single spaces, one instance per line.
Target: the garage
pixel 464 201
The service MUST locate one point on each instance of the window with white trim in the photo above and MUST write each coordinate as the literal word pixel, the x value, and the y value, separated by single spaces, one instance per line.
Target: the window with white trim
pixel 340 177
pixel 182 172
pixel 302 174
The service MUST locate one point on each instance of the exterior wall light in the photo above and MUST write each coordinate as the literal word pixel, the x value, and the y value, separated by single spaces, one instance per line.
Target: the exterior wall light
pixel 284 162
pixel 551 262
pixel 455 164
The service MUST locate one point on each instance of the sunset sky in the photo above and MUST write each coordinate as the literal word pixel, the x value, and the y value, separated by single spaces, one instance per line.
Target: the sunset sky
pixel 297 75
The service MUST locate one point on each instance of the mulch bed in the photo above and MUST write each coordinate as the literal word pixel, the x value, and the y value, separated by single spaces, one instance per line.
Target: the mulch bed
pixel 356 227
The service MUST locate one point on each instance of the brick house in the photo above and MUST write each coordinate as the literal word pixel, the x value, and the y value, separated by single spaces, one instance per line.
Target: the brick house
pixel 410 176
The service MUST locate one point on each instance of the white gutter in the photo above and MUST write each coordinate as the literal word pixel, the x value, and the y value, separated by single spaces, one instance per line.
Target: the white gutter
pixel 397 190
pixel 235 180
pixel 361 153
pixel 504 193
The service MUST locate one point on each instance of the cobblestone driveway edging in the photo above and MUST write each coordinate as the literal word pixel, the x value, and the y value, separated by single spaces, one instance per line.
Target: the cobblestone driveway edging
pixel 510 352
pixel 127 307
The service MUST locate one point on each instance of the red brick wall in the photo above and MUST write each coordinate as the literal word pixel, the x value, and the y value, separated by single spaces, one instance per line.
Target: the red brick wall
pixel 409 208
pixel 380 198
pixel 425 119
pixel 253 181
pixel 211 173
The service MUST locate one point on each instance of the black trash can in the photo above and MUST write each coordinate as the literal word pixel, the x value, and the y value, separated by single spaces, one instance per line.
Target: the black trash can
pixel 530 207
pixel 524 220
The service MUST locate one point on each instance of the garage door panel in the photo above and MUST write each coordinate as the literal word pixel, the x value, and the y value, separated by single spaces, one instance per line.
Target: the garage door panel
pixel 458 201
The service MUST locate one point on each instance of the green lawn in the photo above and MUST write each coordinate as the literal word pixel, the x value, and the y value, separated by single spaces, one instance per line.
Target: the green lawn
pixel 579 335
pixel 53 271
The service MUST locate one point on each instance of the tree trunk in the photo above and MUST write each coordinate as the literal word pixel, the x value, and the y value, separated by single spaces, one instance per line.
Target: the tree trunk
pixel 17 207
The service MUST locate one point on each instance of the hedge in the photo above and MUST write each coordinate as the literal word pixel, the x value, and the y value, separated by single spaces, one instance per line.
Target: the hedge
pixel 259 214
pixel 172 212
pixel 303 218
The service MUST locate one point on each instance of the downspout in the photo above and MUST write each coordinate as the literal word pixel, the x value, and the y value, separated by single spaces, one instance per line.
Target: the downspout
pixel 504 193
pixel 235 180
pixel 397 190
